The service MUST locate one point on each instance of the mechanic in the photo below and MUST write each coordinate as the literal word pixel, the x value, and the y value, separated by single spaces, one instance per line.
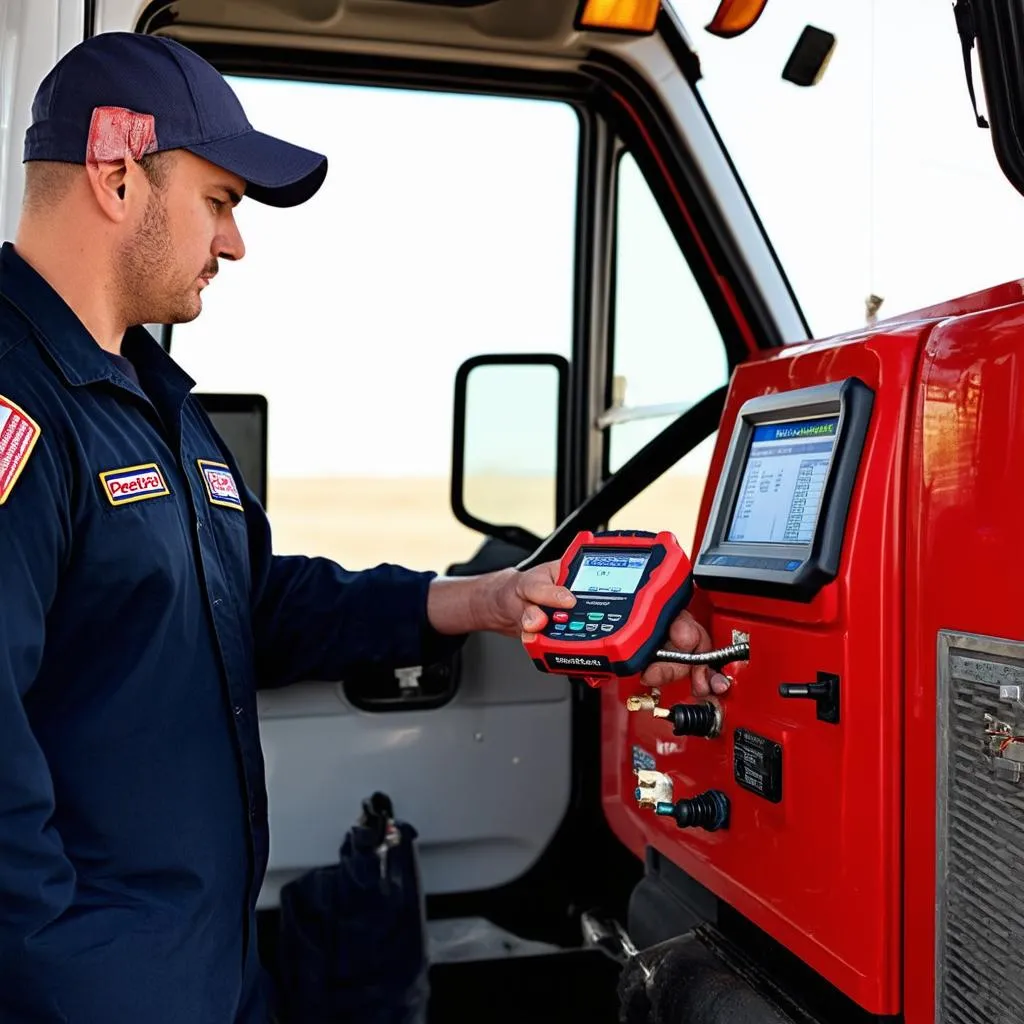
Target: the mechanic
pixel 141 606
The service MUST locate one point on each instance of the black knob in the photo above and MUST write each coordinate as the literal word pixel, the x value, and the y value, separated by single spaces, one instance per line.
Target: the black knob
pixel 709 811
pixel 824 692
pixel 695 719
pixel 813 690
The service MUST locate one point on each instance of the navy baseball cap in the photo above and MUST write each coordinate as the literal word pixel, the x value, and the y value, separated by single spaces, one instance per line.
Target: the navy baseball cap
pixel 155 95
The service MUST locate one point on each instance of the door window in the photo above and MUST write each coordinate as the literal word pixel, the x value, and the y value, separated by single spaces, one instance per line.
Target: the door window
pixel 668 355
pixel 445 229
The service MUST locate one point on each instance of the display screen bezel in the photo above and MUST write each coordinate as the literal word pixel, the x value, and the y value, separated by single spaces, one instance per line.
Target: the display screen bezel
pixel 793 570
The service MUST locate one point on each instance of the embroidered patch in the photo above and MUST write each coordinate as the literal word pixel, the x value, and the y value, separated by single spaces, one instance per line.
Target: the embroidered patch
pixel 18 436
pixel 220 484
pixel 134 483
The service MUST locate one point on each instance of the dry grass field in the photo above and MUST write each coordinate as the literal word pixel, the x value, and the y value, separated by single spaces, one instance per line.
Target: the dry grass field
pixel 361 522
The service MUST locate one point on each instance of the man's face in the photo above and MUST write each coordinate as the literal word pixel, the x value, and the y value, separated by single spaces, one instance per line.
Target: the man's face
pixel 171 254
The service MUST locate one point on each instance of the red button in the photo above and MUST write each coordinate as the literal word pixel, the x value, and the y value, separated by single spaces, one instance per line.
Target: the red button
pixel 561 616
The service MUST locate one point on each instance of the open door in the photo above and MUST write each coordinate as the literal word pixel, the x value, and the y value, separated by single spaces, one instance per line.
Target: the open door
pixel 445 213
pixel 550 191
pixel 471 210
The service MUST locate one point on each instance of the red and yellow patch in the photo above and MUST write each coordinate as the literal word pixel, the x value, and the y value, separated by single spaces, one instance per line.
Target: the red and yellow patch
pixel 18 436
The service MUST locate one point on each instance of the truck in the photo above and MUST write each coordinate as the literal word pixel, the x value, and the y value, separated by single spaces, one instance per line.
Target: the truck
pixel 537 298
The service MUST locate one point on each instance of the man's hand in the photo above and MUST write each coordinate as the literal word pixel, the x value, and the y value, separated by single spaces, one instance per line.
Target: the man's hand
pixel 518 598
pixel 688 635
pixel 506 602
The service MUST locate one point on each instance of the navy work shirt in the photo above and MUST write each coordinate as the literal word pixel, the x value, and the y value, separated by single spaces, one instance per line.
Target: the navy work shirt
pixel 140 609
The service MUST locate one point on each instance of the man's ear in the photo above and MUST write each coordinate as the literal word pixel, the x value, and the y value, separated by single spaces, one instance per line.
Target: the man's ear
pixel 108 182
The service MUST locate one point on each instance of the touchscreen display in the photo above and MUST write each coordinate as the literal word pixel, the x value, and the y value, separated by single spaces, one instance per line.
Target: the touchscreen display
pixel 783 482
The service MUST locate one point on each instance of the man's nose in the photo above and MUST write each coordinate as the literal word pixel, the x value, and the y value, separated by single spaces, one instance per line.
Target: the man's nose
pixel 228 245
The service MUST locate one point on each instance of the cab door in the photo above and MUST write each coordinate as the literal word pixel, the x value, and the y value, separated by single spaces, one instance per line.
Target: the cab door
pixel 448 227
pixel 553 192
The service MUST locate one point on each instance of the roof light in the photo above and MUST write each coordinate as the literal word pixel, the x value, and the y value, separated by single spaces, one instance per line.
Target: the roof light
pixel 734 17
pixel 637 16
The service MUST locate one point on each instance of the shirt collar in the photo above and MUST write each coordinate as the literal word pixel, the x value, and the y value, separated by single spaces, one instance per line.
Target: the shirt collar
pixel 74 350
pixel 155 367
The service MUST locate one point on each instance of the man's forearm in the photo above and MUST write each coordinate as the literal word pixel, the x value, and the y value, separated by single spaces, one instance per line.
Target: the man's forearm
pixel 457 605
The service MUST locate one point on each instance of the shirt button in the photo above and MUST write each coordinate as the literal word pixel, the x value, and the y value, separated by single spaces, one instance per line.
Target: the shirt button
pixel 199 524
pixel 239 711
pixel 216 601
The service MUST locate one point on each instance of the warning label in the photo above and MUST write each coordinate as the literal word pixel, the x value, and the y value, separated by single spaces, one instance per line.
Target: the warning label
pixel 757 764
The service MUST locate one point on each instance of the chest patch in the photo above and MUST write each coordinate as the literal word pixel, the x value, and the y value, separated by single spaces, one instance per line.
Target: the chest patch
pixel 134 483
pixel 18 436
pixel 221 488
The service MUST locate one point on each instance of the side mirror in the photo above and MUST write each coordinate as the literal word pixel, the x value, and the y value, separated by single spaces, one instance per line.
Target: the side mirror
pixel 508 445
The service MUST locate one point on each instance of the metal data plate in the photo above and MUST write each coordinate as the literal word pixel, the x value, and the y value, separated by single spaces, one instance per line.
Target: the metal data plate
pixel 980 839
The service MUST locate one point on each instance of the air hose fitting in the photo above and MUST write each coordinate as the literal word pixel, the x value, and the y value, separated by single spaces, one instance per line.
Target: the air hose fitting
pixel 709 811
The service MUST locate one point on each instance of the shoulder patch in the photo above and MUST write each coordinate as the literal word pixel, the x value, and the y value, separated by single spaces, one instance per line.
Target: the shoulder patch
pixel 18 436
pixel 134 483
pixel 221 488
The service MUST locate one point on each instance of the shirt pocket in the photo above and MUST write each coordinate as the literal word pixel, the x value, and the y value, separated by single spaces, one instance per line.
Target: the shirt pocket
pixel 137 540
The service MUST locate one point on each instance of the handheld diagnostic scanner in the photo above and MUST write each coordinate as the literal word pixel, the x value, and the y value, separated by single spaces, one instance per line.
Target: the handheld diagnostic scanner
pixel 629 587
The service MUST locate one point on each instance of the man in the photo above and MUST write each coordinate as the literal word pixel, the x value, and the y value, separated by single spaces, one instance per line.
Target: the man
pixel 141 605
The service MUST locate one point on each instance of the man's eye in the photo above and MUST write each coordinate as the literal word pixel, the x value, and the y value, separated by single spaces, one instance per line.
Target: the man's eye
pixel 217 204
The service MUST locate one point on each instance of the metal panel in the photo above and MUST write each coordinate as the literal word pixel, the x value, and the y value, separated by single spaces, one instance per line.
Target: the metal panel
pixel 980 838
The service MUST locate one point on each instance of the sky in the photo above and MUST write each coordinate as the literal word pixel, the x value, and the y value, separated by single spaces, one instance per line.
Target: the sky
pixel 445 230
pixel 877 179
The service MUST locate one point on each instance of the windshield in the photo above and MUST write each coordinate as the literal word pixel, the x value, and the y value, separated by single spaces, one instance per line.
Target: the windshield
pixel 876 180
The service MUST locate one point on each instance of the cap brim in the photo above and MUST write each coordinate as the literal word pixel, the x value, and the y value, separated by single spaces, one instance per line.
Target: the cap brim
pixel 276 172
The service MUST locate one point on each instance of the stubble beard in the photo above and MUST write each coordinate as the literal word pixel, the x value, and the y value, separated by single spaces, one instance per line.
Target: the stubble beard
pixel 149 280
